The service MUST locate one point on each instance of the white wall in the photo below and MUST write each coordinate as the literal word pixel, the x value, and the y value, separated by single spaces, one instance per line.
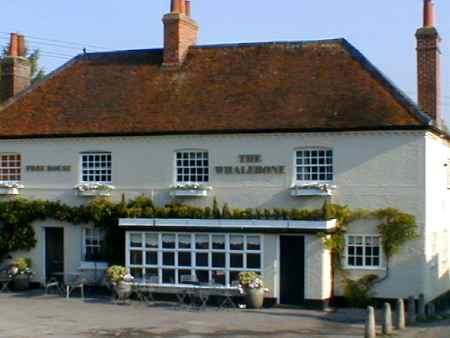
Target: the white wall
pixel 372 170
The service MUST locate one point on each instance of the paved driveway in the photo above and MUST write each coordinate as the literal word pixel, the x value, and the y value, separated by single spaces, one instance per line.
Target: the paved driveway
pixel 32 315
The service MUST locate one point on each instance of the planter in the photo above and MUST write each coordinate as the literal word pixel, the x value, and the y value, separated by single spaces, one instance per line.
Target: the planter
pixel 123 291
pixel 21 282
pixel 309 192
pixel 94 193
pixel 254 298
pixel 189 192
pixel 9 191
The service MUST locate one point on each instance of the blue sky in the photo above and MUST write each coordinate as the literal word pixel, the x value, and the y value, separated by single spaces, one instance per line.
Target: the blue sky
pixel 383 29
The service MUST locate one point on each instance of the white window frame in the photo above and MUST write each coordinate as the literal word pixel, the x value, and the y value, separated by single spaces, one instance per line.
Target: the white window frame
pixel 380 266
pixel 99 235
pixel 95 153
pixel 19 168
pixel 314 148
pixel 193 251
pixel 175 166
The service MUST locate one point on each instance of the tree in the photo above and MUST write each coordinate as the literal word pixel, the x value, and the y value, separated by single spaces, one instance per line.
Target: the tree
pixel 37 73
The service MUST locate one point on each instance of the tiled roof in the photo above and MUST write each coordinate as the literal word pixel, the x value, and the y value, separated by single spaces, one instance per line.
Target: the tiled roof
pixel 261 87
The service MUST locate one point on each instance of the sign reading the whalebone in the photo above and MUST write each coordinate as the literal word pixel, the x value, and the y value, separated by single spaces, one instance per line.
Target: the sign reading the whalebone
pixel 48 168
pixel 251 165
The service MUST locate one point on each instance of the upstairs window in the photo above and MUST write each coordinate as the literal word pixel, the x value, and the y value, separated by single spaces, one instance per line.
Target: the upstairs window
pixel 96 167
pixel 314 165
pixel 192 167
pixel 10 168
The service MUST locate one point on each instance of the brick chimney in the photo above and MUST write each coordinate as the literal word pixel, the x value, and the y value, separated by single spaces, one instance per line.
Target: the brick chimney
pixel 16 69
pixel 180 33
pixel 429 65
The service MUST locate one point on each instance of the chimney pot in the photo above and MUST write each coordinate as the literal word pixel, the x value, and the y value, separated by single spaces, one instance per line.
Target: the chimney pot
pixel 182 7
pixel 429 16
pixel 13 45
pixel 188 8
pixel 175 6
pixel 21 47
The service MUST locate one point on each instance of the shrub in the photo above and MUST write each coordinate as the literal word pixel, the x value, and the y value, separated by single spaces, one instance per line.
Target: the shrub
pixel 360 292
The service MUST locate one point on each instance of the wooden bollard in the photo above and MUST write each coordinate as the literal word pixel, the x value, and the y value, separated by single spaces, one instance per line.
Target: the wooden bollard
pixel 400 319
pixel 411 320
pixel 387 319
pixel 370 323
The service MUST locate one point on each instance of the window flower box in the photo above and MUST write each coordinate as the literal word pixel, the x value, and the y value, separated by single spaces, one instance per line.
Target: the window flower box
pixel 10 189
pixel 93 190
pixel 190 190
pixel 311 190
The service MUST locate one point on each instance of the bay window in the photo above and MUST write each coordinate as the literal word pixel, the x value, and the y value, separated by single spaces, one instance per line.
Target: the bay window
pixel 172 258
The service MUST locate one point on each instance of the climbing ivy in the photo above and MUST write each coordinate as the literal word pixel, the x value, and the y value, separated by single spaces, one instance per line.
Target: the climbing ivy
pixel 17 216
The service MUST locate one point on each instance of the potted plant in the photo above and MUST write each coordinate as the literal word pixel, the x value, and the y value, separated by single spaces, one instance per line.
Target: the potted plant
pixel 21 272
pixel 254 289
pixel 190 190
pixel 120 280
pixel 94 189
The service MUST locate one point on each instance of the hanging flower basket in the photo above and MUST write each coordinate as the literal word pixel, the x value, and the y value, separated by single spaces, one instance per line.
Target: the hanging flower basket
pixel 10 189
pixel 93 190
pixel 190 190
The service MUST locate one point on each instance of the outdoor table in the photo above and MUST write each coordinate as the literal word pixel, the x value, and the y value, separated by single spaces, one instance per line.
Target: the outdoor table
pixel 200 292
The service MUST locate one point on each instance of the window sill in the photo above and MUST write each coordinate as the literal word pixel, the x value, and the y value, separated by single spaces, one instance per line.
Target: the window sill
pixel 93 265
pixel 189 192
pixel 311 190
pixel 365 268
pixel 93 193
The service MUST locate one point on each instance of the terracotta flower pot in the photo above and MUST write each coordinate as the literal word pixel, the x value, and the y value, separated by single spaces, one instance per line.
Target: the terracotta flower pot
pixel 254 298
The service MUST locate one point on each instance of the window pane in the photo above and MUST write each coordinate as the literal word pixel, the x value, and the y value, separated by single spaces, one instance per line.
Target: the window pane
pixel 202 242
pixel 184 277
pixel 234 278
pixel 151 258
pixel 168 276
pixel 184 241
pixel 136 273
pixel 136 240
pixel 218 242
pixel 237 260
pixel 152 276
pixel 168 258
pixel 253 261
pixel 151 241
pixel 201 259
pixel 136 257
pixel 218 260
pixel 218 277
pixel 236 242
pixel 253 243
pixel 202 276
pixel 168 241
pixel 184 259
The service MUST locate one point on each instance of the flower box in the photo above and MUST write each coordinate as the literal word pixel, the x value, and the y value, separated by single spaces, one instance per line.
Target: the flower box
pixel 190 191
pixel 93 190
pixel 312 190
pixel 10 189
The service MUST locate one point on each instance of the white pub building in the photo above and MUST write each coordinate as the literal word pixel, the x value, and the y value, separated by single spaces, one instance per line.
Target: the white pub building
pixel 252 125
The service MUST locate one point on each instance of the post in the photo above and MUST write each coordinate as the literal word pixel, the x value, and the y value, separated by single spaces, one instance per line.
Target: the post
pixel 421 309
pixel 431 310
pixel 411 310
pixel 370 323
pixel 387 319
pixel 400 323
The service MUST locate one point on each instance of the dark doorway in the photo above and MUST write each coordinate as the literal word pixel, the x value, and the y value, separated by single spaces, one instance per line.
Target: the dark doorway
pixel 292 270
pixel 54 251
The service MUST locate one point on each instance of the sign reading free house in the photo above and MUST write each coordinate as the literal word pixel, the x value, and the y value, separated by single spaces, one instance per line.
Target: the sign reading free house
pixel 250 165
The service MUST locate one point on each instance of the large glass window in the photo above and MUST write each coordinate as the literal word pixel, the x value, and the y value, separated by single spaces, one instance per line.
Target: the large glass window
pixel 314 165
pixel 10 168
pixel 363 251
pixel 192 167
pixel 175 258
pixel 96 167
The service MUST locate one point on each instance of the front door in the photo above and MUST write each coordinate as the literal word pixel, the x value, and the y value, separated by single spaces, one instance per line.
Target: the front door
pixel 54 251
pixel 292 270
